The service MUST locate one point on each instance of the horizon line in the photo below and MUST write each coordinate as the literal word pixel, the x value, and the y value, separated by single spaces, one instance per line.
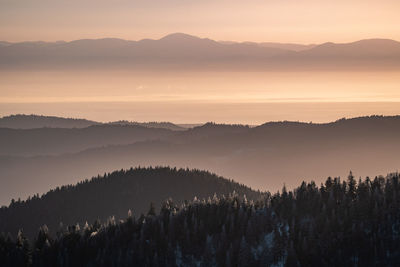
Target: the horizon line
pixel 196 36
pixel 105 122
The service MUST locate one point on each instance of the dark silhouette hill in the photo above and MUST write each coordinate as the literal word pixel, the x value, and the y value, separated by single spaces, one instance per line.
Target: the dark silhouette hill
pixel 113 195
pixel 264 157
pixel 22 121
pixel 52 141
pixel 186 52
pixel 342 222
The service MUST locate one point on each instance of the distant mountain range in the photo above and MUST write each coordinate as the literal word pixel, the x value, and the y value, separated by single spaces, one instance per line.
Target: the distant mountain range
pixel 53 141
pixel 30 135
pixel 114 194
pixel 264 157
pixel 283 46
pixel 33 135
pixel 186 52
pixel 22 121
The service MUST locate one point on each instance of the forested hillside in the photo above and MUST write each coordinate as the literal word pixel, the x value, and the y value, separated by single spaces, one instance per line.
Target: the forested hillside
pixel 340 223
pixel 113 195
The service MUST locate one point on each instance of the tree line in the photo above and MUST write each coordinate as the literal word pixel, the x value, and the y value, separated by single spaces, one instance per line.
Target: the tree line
pixel 339 223
pixel 113 194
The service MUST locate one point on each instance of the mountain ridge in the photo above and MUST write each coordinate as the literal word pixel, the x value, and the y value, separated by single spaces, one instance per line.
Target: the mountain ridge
pixel 185 36
pixel 24 121
pixel 262 156
pixel 187 52
pixel 113 194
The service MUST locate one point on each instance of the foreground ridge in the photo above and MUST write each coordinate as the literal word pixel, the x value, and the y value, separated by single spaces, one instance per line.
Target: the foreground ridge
pixel 350 223
pixel 113 194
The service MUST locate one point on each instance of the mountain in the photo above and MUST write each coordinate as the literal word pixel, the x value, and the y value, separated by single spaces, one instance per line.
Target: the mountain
pixel 366 54
pixel 208 130
pixel 175 50
pixel 113 195
pixel 180 51
pixel 53 141
pixel 340 223
pixel 263 157
pixel 22 121
pixel 374 48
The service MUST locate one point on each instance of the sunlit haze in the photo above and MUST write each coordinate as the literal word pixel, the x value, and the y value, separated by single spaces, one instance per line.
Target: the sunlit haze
pixel 199 133
pixel 308 21
pixel 176 95
pixel 224 97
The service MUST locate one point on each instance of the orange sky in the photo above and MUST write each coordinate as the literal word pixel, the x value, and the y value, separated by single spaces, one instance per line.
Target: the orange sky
pixel 305 21
pixel 296 21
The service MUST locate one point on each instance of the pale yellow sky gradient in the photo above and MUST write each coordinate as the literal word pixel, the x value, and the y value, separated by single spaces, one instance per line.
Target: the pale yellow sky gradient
pixel 200 97
pixel 306 21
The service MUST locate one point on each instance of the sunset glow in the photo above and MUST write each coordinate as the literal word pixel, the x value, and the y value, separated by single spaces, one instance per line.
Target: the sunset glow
pixel 309 21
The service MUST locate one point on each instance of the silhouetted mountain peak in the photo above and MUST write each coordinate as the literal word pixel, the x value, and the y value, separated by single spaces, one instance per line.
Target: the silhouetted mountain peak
pixel 182 37
pixel 186 40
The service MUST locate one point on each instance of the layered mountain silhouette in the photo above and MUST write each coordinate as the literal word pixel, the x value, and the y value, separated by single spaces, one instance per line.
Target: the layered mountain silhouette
pixel 114 194
pixel 22 121
pixel 30 135
pixel 263 157
pixel 185 52
pixel 53 141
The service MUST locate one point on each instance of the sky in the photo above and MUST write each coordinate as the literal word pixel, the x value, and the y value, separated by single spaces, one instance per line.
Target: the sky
pixel 223 97
pixel 296 21
pixel 176 97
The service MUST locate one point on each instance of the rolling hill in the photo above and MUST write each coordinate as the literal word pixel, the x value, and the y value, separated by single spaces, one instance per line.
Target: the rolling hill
pixel 53 141
pixel 22 121
pixel 113 195
pixel 339 223
pixel 263 157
